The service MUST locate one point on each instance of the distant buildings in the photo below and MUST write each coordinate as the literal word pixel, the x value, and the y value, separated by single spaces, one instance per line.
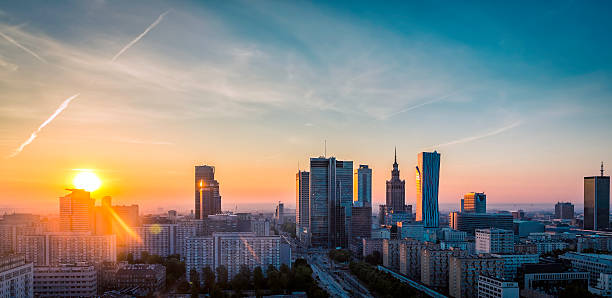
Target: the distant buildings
pixel 261 227
pixel 427 183
pixel 52 249
pixel 494 241
pixel 522 228
pixel 16 276
pixel 464 272
pixel 469 222
pixel 512 263
pixel 597 202
pixel 564 210
pixel 410 251
pixel 396 189
pixel 77 212
pixel 65 280
pixel 234 250
pixel 474 202
pixel 155 239
pixel 207 197
pixel 592 263
pixel 302 208
pixel 363 186
pixel 491 287
pixel 331 199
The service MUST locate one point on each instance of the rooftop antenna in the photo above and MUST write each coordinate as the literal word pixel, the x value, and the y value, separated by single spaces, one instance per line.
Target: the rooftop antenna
pixel 325 146
pixel 602 171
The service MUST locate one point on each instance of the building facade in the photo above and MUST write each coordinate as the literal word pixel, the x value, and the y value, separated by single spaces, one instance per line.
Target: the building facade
pixel 474 202
pixel 16 276
pixel 427 183
pixel 491 287
pixel 512 262
pixel 302 208
pixel 65 280
pixel 597 202
pixel 396 189
pixel 434 266
pixel 363 186
pixel 410 251
pixel 155 239
pixel 362 222
pixel 464 272
pixel 594 264
pixel 77 212
pixel 494 241
pixel 207 196
pixel 53 249
pixel 149 278
pixel 564 210
pixel 469 222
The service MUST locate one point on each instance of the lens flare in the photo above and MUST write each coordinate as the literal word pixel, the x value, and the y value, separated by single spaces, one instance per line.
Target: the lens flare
pixel 87 180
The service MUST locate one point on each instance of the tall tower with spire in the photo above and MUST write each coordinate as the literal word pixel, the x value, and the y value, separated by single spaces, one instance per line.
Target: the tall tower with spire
pixel 396 189
pixel 597 201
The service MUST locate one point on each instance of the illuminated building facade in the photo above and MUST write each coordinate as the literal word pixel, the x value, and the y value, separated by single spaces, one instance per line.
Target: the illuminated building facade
pixel 427 183
pixel 207 197
pixel 597 202
pixel 474 202
pixel 77 212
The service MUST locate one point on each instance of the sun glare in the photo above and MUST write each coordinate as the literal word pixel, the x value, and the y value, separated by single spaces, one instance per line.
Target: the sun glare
pixel 87 180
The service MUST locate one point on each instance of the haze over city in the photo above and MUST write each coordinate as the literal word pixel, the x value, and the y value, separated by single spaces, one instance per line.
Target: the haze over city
pixel 516 98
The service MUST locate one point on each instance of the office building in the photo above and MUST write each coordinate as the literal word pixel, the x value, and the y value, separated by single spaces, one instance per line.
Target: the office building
pixel 564 210
pixel 463 273
pixel 434 266
pixel 52 249
pixel 512 262
pixel 597 202
pixel 207 197
pixel 363 186
pixel 522 228
pixel 469 222
pixel 592 263
pixel 491 287
pixel 519 214
pixel 410 251
pixel 474 202
pixel 234 250
pixel 155 239
pixel 331 199
pixel 427 183
pixel 362 222
pixel 65 280
pixel 494 241
pixel 411 230
pixel 302 208
pixel 396 189
pixel 16 276
pixel 77 212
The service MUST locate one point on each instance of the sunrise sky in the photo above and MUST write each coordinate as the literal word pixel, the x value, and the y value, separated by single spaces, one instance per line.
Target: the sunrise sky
pixel 516 97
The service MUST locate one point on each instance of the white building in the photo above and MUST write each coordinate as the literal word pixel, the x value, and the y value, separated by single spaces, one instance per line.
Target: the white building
pixel 156 239
pixel 494 241
pixel 592 263
pixel 261 227
pixel 514 261
pixel 16 276
pixel 52 249
pixel 66 280
pixel 233 250
pixel 604 285
pixel 490 287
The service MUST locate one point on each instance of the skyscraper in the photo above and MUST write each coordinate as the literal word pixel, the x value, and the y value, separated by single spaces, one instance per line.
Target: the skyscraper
pixel 331 199
pixel 597 202
pixel 396 189
pixel 474 202
pixel 207 198
pixel 77 212
pixel 564 210
pixel 363 186
pixel 427 182
pixel 302 217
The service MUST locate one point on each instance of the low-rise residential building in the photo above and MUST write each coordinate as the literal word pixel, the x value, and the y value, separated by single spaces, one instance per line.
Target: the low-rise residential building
pixel 592 263
pixel 16 276
pixel 464 271
pixel 491 287
pixel 65 280
pixel 514 261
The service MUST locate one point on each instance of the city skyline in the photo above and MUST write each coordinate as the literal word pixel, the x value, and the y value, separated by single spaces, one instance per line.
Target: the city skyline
pixel 141 95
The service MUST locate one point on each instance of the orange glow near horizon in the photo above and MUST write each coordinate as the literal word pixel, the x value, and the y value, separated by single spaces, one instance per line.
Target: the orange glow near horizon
pixel 87 180
pixel 122 224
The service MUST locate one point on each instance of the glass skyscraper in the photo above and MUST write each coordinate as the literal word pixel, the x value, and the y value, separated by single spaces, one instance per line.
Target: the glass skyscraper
pixel 427 183
pixel 474 202
pixel 302 211
pixel 363 186
pixel 597 202
pixel 331 199
pixel 207 197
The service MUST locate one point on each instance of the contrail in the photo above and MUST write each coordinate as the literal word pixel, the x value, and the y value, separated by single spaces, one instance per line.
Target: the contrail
pixel 410 108
pixel 473 138
pixel 129 45
pixel 35 133
pixel 9 39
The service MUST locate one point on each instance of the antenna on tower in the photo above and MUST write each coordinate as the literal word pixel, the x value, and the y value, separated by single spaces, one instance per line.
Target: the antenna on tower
pixel 325 149
pixel 602 171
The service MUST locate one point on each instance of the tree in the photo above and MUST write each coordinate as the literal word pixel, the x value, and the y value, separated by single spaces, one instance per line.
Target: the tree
pixel 374 259
pixel 222 276
pixel 183 287
pixel 258 279
pixel 130 258
pixel 194 277
pixel 274 283
pixel 209 279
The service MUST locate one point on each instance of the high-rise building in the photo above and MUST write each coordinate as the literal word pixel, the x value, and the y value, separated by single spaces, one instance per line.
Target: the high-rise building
pixel 16 276
pixel 474 202
pixel 65 280
pixel 156 239
pixel 410 251
pixel 51 249
pixel 207 197
pixel 427 183
pixel 434 266
pixel 469 222
pixel 494 241
pixel 77 212
pixel 363 186
pixel 564 210
pixel 464 271
pixel 361 222
pixel 331 199
pixel 597 202
pixel 396 189
pixel 302 210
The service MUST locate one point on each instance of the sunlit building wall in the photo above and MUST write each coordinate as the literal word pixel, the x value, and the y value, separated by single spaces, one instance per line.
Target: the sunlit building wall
pixel 77 212
pixel 155 239
pixel 207 197
pixel 302 209
pixel 65 280
pixel 427 183
pixel 474 202
pixel 53 249
pixel 597 202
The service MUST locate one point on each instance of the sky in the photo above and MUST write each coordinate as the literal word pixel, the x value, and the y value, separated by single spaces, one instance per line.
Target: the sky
pixel 516 96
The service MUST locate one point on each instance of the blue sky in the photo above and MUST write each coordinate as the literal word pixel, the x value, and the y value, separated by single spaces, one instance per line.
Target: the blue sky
pixel 516 96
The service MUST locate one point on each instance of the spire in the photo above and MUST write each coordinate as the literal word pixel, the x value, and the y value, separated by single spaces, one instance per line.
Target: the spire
pixel 395 160
pixel 602 171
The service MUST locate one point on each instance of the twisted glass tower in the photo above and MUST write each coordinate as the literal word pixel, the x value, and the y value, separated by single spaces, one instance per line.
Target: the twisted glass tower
pixel 427 182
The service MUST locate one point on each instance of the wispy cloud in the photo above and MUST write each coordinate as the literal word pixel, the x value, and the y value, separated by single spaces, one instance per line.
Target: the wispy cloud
pixel 413 107
pixel 477 137
pixel 11 40
pixel 34 134
pixel 8 66
pixel 133 42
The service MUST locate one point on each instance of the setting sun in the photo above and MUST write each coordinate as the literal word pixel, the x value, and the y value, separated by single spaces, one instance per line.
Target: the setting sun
pixel 87 180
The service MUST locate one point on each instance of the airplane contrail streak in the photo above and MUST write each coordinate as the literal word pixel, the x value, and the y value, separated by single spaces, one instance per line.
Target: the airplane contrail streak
pixel 129 45
pixel 410 108
pixel 11 40
pixel 63 106
pixel 473 138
